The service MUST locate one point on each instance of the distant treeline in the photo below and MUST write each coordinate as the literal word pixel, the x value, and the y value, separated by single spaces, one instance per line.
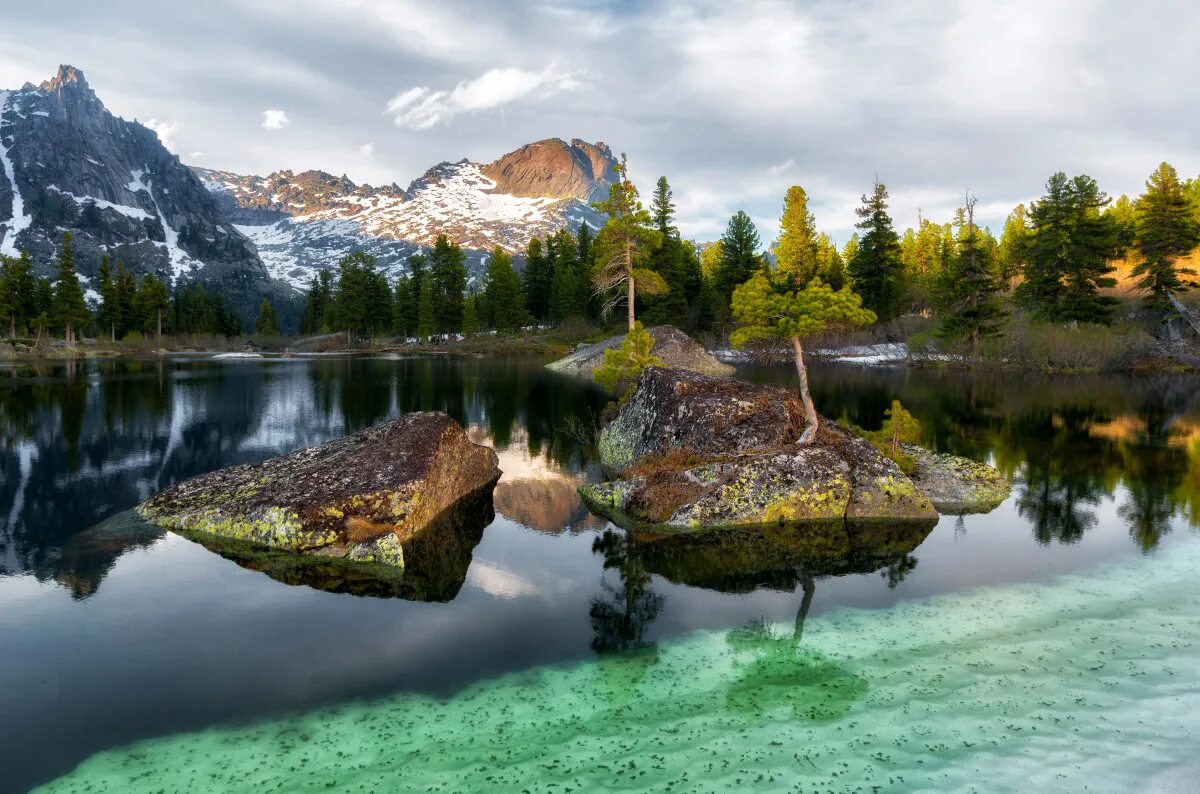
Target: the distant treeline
pixel 1054 262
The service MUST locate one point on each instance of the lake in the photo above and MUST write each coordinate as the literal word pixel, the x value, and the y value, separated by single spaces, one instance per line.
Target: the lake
pixel 1053 643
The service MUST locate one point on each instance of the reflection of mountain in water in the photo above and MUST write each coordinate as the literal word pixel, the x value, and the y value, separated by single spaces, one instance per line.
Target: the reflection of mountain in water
pixel 87 557
pixel 534 491
pixel 435 559
pixel 84 440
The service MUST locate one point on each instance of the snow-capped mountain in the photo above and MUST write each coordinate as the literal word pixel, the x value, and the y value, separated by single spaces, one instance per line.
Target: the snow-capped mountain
pixel 301 223
pixel 68 164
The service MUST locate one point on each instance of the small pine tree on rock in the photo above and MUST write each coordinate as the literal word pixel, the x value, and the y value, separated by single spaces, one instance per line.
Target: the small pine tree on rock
pixel 626 363
pixel 767 309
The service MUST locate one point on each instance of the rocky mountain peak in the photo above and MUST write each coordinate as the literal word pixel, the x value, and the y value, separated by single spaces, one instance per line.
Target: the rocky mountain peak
pixel 66 76
pixel 553 168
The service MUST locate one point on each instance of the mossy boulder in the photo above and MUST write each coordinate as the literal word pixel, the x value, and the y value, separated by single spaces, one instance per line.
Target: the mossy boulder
pixel 956 485
pixel 693 452
pixel 671 346
pixel 359 498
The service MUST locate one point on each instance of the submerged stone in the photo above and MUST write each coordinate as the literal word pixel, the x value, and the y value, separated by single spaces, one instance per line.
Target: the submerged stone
pixel 672 346
pixel 359 498
pixel 693 452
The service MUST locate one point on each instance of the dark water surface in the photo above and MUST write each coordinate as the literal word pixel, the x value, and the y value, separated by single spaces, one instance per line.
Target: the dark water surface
pixel 113 632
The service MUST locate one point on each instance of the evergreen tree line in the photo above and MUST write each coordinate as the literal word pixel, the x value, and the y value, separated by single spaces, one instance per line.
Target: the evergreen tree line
pixel 127 305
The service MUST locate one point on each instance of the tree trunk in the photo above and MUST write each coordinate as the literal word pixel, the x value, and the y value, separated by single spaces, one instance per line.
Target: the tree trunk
pixel 631 297
pixel 69 337
pixel 158 331
pixel 629 264
pixel 810 588
pixel 112 331
pixel 810 410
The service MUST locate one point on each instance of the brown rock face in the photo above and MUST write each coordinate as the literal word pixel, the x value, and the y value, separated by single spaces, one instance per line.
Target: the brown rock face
pixel 554 169
pixel 361 497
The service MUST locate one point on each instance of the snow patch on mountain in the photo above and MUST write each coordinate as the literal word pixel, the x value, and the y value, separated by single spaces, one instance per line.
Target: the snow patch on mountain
pixel 181 263
pixel 19 220
pixel 137 213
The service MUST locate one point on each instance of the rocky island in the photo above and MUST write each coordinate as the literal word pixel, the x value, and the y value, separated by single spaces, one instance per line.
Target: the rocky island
pixel 673 347
pixel 691 451
pixel 361 498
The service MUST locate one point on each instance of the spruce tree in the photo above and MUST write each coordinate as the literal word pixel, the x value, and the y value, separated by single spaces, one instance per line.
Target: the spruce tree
pixel 797 249
pixel 740 255
pixel 125 291
pixel 448 267
pixel 876 269
pixel 106 319
pixel 1068 258
pixel 152 301
pixel 69 311
pixel 585 259
pixel 668 260
pixel 1165 229
pixel 503 291
pixel 537 278
pixel 20 292
pixel 8 296
pixel 266 323
pixel 470 316
pixel 403 307
pixel 416 276
pixel 426 317
pixel 624 245
pixel 971 288
pixel 830 265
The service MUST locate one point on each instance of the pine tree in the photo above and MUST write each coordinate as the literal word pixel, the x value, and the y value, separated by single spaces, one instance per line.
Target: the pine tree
pixel 585 258
pixel 876 269
pixel 448 267
pixel 426 317
pixel 1068 259
pixel 313 318
pixel 626 363
pixel 740 255
pixel 70 311
pixel 503 291
pixel 152 301
pixel 8 295
pixel 797 249
pixel 1165 229
pixel 266 324
pixel 668 260
pixel 417 266
pixel 624 246
pixel 350 306
pixel 972 291
pixel 766 307
pixel 830 265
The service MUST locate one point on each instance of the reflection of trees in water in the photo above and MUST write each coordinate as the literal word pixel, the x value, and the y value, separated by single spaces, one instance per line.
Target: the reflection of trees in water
pixel 97 437
pixel 620 615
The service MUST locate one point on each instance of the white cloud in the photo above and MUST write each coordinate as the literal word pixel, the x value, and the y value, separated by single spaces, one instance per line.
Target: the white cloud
pixel 420 108
pixel 165 130
pixel 197 155
pixel 781 168
pixel 367 150
pixel 275 119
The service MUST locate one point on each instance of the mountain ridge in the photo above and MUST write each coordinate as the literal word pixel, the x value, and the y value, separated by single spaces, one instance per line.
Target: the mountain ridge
pixel 68 164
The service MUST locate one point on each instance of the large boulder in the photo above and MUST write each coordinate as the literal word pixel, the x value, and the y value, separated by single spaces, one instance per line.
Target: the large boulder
pixel 360 498
pixel 673 347
pixel 693 452
pixel 957 485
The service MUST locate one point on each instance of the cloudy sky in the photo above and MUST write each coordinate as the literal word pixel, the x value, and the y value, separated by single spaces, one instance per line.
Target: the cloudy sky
pixel 733 101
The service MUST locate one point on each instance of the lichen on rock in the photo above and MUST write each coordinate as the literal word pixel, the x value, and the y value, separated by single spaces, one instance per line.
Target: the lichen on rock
pixel 691 451
pixel 359 498
pixel 957 485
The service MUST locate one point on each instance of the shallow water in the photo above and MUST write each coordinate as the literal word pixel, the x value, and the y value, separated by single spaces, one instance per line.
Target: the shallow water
pixel 1049 644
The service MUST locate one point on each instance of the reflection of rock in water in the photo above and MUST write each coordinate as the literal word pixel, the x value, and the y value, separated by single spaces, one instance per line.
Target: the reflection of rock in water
pixel 435 559
pixel 87 557
pixel 546 505
pixel 777 556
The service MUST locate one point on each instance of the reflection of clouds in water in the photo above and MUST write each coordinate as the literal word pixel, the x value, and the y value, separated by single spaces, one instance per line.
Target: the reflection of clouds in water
pixel 501 583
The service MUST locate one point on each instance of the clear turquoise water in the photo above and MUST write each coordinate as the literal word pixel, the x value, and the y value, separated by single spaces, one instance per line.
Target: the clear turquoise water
pixel 1087 681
